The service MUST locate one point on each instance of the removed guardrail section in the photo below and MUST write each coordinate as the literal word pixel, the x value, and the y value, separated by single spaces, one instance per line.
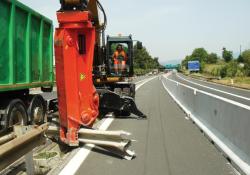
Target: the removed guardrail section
pixel 225 121
pixel 29 138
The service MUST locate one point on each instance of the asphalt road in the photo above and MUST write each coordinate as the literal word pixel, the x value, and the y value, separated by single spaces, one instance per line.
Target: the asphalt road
pixel 167 143
pixel 235 94
pixel 53 95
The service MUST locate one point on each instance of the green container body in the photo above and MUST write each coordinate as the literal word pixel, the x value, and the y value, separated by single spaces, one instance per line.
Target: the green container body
pixel 26 48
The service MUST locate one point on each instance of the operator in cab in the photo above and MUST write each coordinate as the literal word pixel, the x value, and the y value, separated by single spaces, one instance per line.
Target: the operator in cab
pixel 120 59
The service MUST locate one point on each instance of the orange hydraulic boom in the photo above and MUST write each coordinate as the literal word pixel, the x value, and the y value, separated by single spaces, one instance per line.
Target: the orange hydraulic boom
pixel 75 40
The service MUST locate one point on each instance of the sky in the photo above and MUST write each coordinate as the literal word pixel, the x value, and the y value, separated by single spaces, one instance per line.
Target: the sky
pixel 171 29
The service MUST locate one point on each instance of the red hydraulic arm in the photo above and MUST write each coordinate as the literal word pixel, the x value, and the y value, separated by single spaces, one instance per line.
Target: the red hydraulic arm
pixel 78 100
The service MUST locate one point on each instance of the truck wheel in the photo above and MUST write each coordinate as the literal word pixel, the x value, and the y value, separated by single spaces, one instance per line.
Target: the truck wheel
pixel 3 124
pixel 37 110
pixel 16 113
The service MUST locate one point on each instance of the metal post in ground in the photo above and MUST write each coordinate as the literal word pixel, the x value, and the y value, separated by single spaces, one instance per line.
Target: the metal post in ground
pixel 29 162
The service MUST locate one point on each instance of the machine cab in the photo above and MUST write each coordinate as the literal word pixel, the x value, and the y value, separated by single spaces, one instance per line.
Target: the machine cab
pixel 120 56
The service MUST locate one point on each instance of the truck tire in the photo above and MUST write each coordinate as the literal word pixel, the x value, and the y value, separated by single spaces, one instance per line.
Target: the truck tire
pixel 37 110
pixel 3 123
pixel 16 113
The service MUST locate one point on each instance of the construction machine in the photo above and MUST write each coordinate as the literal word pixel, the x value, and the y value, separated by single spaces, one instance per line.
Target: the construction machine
pixel 113 75
pixel 116 89
pixel 77 46
pixel 106 75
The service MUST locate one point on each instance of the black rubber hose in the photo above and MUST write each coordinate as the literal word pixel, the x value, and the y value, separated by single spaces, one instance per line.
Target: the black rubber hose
pixel 103 27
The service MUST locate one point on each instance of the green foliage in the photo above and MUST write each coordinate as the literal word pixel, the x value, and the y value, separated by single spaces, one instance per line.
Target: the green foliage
pixel 223 71
pixel 211 64
pixel 231 68
pixel 199 54
pixel 203 65
pixel 246 56
pixel 212 58
pixel 184 62
pixel 240 72
pixel 143 60
pixel 216 72
pixel 240 59
pixel 246 61
pixel 227 55
pixel 247 70
pixel 141 71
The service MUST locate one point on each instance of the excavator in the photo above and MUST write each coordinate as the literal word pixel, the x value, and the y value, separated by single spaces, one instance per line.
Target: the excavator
pixel 77 44
pixel 78 49
pixel 118 81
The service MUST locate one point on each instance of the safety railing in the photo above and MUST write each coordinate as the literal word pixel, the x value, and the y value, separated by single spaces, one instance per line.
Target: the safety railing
pixel 226 122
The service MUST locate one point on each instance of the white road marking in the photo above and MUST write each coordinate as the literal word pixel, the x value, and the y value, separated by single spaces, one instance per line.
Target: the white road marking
pixel 217 90
pixel 82 154
pixel 217 84
pixel 210 94
pixel 141 83
pixel 76 162
pixel 138 82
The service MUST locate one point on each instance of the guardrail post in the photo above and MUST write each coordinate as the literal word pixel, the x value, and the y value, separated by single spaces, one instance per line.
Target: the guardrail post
pixel 195 91
pixel 29 162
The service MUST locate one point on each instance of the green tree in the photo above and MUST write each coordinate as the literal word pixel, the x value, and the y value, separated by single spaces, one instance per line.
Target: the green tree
pixel 184 62
pixel 227 55
pixel 212 58
pixel 232 69
pixel 240 59
pixel 156 62
pixel 199 54
pixel 246 61
pixel 143 60
pixel 246 56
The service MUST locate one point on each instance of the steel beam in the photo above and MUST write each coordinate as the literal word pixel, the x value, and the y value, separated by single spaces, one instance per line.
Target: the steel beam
pixel 17 148
pixel 115 142
pixel 7 138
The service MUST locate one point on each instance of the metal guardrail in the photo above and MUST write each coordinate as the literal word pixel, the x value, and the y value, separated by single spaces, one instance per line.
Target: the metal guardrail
pixel 28 139
pixel 226 122
pixel 116 142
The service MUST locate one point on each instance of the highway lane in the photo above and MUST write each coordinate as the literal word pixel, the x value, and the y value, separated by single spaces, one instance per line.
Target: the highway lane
pixel 141 78
pixel 53 95
pixel 167 143
pixel 235 94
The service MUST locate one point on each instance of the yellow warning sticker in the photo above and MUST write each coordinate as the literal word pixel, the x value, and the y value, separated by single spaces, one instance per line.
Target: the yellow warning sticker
pixel 82 77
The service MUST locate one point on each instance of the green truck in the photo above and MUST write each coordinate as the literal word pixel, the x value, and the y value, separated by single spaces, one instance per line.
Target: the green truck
pixel 26 61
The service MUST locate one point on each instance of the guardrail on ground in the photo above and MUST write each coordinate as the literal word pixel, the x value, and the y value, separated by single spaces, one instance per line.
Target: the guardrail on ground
pixel 28 139
pixel 225 121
